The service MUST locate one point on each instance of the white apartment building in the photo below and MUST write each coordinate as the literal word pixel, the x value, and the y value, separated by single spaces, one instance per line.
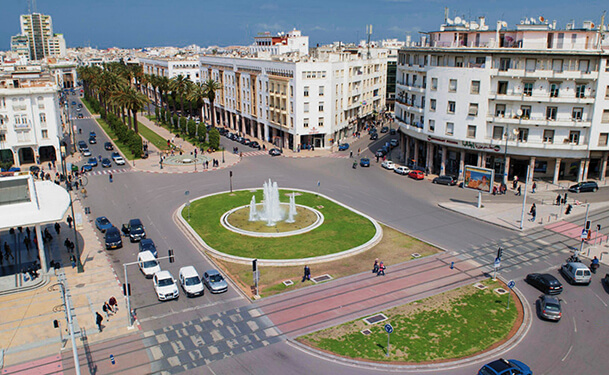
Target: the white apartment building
pixel 171 68
pixel 281 43
pixel 533 95
pixel 37 32
pixel 30 118
pixel 300 100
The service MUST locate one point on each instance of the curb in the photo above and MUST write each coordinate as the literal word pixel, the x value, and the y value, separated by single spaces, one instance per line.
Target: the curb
pixel 44 280
pixel 441 205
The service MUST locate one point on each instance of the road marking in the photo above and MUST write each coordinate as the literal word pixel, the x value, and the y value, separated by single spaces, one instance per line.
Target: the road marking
pixel 600 299
pixel 574 328
pixel 568 352
pixel 189 309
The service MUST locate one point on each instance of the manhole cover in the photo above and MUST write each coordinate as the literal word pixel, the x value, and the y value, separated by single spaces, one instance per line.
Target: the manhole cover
pixel 375 319
pixel 366 332
pixel 79 285
pixel 480 286
pixel 319 279
pixel 288 282
pixel 416 255
pixel 500 291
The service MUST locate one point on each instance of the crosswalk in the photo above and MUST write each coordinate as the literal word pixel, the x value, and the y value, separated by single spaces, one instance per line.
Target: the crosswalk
pixel 107 171
pixel 81 118
pixel 254 153
pixel 338 156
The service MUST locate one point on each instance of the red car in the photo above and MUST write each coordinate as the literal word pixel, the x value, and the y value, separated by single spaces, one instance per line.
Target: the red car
pixel 417 175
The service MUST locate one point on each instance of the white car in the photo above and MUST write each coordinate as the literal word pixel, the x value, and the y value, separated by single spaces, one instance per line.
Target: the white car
pixel 191 282
pixel 165 286
pixel 148 264
pixel 388 164
pixel 118 159
pixel 403 170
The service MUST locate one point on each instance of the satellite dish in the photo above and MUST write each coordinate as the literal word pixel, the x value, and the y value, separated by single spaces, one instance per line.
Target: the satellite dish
pixel 519 112
pixel 541 19
pixel 533 21
pixel 504 24
pixel 457 20
pixel 449 21
pixel 592 25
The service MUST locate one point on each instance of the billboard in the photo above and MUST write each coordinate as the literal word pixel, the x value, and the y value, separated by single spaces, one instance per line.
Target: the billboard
pixel 477 178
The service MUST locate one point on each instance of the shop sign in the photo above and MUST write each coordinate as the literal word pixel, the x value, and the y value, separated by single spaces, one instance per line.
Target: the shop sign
pixel 479 146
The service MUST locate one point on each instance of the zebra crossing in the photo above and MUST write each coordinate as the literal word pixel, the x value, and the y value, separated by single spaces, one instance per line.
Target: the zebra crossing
pixel 81 118
pixel 254 153
pixel 106 172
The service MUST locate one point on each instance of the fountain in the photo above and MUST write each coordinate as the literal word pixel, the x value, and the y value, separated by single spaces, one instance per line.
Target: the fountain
pixel 271 207
pixel 253 208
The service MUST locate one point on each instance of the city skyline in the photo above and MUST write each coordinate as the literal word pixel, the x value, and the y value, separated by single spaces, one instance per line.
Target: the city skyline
pixel 138 24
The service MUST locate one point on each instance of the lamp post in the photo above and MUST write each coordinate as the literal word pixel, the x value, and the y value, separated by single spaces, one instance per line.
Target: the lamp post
pixel 79 265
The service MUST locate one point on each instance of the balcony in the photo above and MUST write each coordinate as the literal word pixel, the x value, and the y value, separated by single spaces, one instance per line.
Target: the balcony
pixel 412 88
pixel 19 107
pixel 557 144
pixel 409 105
pixel 521 97
pixel 539 121
pixel 545 74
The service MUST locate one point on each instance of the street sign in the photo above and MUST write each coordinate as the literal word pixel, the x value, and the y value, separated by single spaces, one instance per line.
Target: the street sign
pixel 584 234
pixel 388 328
pixel 497 262
pixel 511 284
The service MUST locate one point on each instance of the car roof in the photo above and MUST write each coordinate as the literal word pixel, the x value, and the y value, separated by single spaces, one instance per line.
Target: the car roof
pixel 551 299
pixel 145 255
pixel 577 265
pixel 146 240
pixel 212 272
pixel 101 218
pixel 499 365
pixel 135 221
pixel 112 229
pixel 162 274
pixel 188 271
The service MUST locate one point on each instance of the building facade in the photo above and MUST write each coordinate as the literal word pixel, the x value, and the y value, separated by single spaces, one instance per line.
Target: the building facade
pixel 507 99
pixel 172 68
pixel 30 116
pixel 37 40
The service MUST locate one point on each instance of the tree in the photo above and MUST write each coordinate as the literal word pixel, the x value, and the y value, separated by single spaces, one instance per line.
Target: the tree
pixel 214 138
pixel 178 87
pixel 133 101
pixel 211 87
pixel 198 95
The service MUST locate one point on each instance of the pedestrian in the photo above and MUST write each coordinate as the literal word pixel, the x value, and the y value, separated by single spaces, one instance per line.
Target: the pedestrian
pixel 113 304
pixel 558 200
pixel 7 251
pixel 84 192
pixel 565 199
pixel 375 268
pixel 57 228
pixel 28 243
pixel 350 154
pixel 27 231
pixel 66 243
pixel 99 319
pixel 358 151
pixel 534 187
pixel 307 274
pixel 518 191
pixel 110 176
pixel 533 212
pixel 381 271
pixel 73 261
pixel 105 309
pixel 69 220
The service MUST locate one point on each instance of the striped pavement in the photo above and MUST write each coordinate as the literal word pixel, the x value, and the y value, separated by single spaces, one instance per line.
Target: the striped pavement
pixel 107 171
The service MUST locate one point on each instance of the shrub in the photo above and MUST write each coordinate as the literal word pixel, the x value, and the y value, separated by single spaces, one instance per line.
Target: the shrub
pixel 214 138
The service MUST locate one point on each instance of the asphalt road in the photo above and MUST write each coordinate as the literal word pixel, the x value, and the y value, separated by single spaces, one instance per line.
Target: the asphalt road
pixel 405 204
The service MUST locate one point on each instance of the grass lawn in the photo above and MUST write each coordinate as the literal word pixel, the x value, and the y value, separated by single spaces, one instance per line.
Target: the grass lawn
pixel 395 247
pixel 123 147
pixel 450 325
pixel 342 229
pixel 152 137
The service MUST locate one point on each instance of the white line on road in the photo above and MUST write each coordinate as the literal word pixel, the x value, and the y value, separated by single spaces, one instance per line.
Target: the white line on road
pixel 566 355
pixel 600 299
pixel 574 325
pixel 190 309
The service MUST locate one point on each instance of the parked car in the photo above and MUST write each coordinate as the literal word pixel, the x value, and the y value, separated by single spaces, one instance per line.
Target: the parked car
pixel 549 307
pixel 364 162
pixel 103 224
pixel 92 134
pixel 215 282
pixel 82 145
pixel 445 180
pixel 393 142
pixel 374 136
pixel 108 146
pixel 416 174
pixel 380 152
pixel 118 159
pixel 80 115
pixel 384 129
pixel 401 170
pixel 148 264
pixel 113 238
pixel 576 273
pixel 92 140
pixel 343 147
pixel 393 132
pixel 545 282
pixel 245 141
pixel 583 187
pixel 87 167
pixel 191 282
pixel 135 230
pixel 92 162
pixel 165 286
pixel 86 152
pixel 146 244
pixel 255 145
pixel 388 164
pixel 274 152
pixel 505 367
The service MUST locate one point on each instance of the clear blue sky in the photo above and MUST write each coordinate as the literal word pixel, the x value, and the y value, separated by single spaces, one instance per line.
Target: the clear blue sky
pixel 138 23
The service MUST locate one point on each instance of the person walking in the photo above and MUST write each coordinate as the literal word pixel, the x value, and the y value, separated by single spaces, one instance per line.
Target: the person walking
pixel 106 309
pixel 533 187
pixel 99 319
pixel 375 267
pixel 533 212
pixel 307 274
pixel 69 220
pixel 110 177
pixel 57 229
pixel 518 191
pixel 381 271
pixel 113 304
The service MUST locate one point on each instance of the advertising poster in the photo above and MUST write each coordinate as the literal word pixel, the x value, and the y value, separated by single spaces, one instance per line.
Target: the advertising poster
pixel 477 178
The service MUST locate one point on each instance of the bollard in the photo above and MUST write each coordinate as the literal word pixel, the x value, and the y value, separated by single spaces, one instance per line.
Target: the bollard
pixel 112 360
pixel 452 265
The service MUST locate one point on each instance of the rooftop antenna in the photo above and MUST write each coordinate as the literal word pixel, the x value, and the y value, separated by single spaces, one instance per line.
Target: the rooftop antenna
pixel 601 32
pixel 445 14
pixel 369 32
pixel 31 6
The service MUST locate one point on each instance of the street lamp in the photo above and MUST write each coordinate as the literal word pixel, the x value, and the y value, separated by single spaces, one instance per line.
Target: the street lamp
pixel 79 265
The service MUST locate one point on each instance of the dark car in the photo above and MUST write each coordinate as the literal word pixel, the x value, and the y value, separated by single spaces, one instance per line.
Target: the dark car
pixel 223 131
pixel 372 130
pixel 343 147
pixel 393 143
pixel 245 141
pixel 364 162
pixel 92 162
pixel 374 136
pixel 92 134
pixel 583 187
pixel 92 140
pixel 380 153
pixel 35 169
pixel 106 163
pixel 80 115
pixel 135 230
pixel 549 308
pixel 445 180
pixel 274 152
pixel 113 238
pixel 108 146
pixel 147 244
pixel 87 167
pixel 384 129
pixel 255 145
pixel 393 132
pixel 103 224
pixel 505 367
pixel 82 145
pixel 546 283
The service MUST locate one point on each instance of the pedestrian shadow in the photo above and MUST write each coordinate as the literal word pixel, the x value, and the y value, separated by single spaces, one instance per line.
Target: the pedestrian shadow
pixel 85 344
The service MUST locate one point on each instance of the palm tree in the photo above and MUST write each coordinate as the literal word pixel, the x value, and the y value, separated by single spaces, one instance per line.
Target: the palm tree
pixel 164 86
pixel 133 101
pixel 179 84
pixel 198 95
pixel 211 86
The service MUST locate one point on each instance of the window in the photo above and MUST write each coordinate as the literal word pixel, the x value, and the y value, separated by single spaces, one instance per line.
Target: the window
pixel 607 92
pixel 605 117
pixel 434 84
pixel 321 91
pixel 526 112
pixel 523 134
pixel 580 91
pixel 473 109
pixel 306 107
pixel 548 136
pixel 504 64
pixel 502 87
pixel 471 131
pixel 451 107
pixel 602 139
pixel 2 137
pixel 574 136
pixel 43 118
pixel 321 107
pixel 497 132
pixel 45 134
pixel 500 110
pixel 557 66
pixel 305 122
pixel 528 88
pixel 320 122
pixel 475 89
pixel 584 66
pixel 459 62
pixel 432 126
pixel 551 113
pixel 452 85
pixel 530 65
pixel 450 128
pixel 577 114
pixel 554 90
pixel 432 105
pixel 306 91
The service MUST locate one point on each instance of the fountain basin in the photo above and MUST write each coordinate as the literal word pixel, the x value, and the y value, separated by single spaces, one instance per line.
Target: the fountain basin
pixel 237 220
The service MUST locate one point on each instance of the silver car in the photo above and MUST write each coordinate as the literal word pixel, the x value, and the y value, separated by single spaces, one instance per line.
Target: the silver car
pixel 549 307
pixel 215 282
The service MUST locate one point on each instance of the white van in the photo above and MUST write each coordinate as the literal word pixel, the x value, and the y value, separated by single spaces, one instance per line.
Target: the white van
pixel 148 264
pixel 576 273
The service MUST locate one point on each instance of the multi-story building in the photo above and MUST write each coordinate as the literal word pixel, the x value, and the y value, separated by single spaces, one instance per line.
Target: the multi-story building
pixel 189 68
pixel 295 100
pixel 280 44
pixel 533 95
pixel 37 32
pixel 30 118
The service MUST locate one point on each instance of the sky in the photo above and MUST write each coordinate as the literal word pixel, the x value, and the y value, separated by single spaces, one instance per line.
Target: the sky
pixel 138 23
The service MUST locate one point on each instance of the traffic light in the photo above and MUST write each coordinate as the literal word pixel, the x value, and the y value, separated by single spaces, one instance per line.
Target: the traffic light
pixel 171 257
pixel 588 225
pixel 127 289
pixel 499 253
pixel 255 265
pixel 230 173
